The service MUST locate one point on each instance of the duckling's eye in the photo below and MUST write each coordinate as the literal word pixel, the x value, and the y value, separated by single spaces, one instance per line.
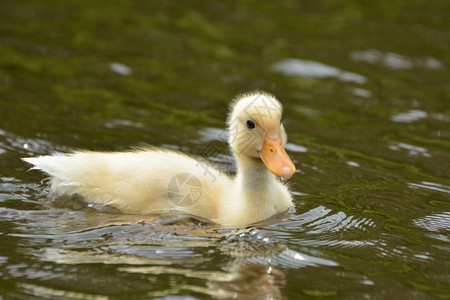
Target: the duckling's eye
pixel 250 124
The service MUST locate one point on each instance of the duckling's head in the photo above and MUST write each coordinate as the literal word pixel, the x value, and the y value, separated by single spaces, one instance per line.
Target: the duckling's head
pixel 256 132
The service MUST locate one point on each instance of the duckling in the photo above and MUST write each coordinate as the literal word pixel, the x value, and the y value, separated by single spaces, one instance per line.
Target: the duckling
pixel 149 180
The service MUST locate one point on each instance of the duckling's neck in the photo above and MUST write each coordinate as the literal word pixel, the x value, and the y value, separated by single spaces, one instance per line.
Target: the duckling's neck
pixel 255 180
pixel 256 194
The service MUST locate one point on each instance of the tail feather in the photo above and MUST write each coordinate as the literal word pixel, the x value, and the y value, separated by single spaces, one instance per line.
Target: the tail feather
pixel 31 161
pixel 53 165
pixel 43 163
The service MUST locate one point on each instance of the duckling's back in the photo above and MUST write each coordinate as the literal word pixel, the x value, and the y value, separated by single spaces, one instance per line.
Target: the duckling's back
pixel 138 182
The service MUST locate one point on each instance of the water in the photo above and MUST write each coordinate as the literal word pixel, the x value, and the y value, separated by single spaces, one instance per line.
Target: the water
pixel 366 96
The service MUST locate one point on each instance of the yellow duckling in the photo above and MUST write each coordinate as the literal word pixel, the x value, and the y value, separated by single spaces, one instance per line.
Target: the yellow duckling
pixel 149 180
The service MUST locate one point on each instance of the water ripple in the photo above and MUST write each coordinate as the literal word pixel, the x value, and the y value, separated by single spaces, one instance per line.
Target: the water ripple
pixel 321 220
pixel 25 146
pixel 437 224
pixel 431 186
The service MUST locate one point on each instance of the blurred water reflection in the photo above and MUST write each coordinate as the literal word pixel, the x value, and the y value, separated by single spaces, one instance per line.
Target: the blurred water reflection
pixel 394 61
pixel 313 69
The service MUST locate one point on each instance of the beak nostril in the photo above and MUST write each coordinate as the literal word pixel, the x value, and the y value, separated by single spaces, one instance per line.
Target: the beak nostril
pixel 271 150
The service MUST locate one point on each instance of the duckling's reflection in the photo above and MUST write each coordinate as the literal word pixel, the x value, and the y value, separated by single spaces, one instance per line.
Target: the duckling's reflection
pixel 251 279
pixel 180 245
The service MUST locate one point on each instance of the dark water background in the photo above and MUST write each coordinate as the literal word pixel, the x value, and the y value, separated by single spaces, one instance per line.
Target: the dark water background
pixel 366 91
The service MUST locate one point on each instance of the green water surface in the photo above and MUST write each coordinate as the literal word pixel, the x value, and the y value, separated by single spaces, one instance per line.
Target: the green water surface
pixel 366 92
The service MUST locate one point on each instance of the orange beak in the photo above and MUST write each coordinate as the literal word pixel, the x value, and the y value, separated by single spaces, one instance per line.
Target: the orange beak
pixel 276 158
